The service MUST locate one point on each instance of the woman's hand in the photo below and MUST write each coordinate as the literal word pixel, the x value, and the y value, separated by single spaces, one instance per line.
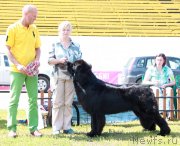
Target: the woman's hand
pixel 163 86
pixel 63 60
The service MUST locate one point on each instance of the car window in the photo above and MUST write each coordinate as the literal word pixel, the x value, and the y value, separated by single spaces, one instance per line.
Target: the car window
pixel 150 62
pixel 6 61
pixel 174 63
pixel 140 63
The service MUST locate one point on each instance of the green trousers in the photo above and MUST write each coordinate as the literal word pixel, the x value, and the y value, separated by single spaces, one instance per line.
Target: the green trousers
pixel 17 80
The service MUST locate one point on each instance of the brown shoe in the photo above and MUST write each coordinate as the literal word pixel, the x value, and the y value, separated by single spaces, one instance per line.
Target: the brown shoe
pixel 36 133
pixel 12 134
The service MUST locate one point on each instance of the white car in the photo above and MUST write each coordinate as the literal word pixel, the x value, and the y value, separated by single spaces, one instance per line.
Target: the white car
pixel 43 76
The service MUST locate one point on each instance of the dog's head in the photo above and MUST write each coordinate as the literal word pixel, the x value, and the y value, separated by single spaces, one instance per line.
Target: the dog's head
pixel 79 65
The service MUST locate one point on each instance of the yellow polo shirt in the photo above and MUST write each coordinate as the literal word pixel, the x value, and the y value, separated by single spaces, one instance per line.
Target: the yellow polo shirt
pixel 23 42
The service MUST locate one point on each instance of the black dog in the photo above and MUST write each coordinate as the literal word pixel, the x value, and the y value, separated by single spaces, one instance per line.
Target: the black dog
pixel 99 98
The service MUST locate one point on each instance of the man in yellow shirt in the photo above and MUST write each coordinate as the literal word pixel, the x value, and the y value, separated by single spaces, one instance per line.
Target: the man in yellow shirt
pixel 23 48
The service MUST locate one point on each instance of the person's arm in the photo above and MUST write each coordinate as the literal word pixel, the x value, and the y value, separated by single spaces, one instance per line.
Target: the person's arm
pixel 37 58
pixel 52 59
pixel 14 61
pixel 57 61
pixel 37 46
pixel 38 53
pixel 172 81
pixel 147 78
pixel 168 84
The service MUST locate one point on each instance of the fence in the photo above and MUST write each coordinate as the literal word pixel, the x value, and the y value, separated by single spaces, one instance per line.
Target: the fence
pixel 174 105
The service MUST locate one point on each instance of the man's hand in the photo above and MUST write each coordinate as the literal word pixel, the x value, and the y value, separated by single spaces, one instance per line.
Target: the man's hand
pixel 21 68
pixel 37 63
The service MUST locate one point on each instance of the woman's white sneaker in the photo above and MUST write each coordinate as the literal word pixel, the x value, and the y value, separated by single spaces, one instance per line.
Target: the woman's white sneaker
pixel 56 132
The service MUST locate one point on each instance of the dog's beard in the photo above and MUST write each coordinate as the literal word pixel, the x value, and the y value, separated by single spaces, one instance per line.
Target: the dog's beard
pixel 70 68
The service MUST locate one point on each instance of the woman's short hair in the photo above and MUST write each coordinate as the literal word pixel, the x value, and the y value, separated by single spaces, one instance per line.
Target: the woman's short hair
pixel 163 56
pixel 64 24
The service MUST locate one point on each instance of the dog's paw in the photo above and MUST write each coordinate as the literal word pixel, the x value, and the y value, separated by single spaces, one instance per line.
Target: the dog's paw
pixel 161 134
pixel 91 134
pixel 165 132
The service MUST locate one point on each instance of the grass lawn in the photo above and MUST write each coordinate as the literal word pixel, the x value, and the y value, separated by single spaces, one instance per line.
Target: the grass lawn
pixel 117 134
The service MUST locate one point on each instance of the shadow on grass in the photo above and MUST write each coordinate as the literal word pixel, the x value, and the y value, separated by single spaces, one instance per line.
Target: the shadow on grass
pixel 126 125
pixel 125 135
pixel 133 137
pixel 114 134
pixel 3 124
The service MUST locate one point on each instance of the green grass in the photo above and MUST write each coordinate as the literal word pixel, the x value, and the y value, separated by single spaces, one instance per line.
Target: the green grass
pixel 117 134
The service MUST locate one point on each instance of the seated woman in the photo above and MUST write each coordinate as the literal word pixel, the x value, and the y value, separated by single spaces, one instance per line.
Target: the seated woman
pixel 161 77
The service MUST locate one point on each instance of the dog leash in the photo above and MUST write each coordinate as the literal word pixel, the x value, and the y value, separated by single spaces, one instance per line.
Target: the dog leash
pixel 79 85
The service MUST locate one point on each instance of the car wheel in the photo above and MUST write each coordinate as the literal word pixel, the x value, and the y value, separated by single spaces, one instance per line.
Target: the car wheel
pixel 43 83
